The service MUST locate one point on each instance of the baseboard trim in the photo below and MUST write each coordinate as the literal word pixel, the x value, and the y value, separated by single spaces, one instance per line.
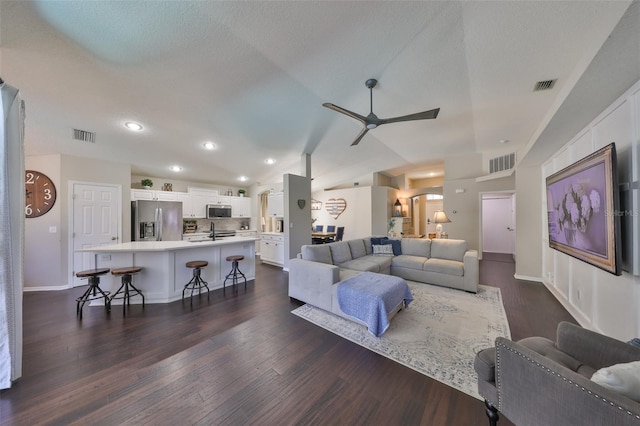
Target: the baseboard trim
pixel 48 288
pixel 527 278
pixel 581 318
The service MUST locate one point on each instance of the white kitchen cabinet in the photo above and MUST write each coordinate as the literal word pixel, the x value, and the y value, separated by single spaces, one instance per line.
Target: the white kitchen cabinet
pixel 403 225
pixel 275 204
pixel 187 205
pixel 240 207
pixel 149 194
pixel 272 249
pixel 222 200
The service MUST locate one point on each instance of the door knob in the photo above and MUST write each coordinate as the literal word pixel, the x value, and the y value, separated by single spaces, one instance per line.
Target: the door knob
pixel 114 238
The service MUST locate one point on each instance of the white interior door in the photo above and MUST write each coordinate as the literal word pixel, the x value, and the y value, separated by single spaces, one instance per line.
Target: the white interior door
pixel 498 230
pixel 96 222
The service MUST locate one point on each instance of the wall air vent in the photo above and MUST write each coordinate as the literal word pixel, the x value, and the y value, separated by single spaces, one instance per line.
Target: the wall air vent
pixel 544 85
pixel 502 163
pixel 83 135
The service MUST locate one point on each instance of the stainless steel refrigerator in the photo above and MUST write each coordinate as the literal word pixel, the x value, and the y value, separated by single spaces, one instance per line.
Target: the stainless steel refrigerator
pixel 156 220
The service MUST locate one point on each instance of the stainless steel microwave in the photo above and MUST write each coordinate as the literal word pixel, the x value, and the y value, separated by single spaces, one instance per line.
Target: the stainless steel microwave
pixel 216 211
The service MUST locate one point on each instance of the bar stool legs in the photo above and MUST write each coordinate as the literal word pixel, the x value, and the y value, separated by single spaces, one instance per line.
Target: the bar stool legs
pixel 127 288
pixel 196 281
pixel 235 273
pixel 93 277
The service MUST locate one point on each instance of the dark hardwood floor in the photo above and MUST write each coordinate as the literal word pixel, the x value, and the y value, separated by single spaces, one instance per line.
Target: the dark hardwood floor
pixel 240 358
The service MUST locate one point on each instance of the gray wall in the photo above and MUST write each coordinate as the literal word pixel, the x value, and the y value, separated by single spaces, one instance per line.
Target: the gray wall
pixel 297 220
pixel 528 223
pixel 46 253
pixel 461 173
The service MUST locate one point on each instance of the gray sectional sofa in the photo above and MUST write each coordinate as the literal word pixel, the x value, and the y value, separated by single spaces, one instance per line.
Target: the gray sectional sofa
pixel 319 269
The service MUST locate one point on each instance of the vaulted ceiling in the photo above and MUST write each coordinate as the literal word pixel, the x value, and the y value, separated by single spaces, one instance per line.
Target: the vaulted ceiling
pixel 252 77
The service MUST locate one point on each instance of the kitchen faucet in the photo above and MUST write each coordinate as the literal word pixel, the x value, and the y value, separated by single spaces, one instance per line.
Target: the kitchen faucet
pixel 212 232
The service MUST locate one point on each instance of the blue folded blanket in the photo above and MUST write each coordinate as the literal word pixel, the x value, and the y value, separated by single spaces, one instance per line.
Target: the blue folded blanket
pixel 370 296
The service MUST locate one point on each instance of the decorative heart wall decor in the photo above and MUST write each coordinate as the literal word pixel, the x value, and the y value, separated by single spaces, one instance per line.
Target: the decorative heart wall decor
pixel 301 204
pixel 335 206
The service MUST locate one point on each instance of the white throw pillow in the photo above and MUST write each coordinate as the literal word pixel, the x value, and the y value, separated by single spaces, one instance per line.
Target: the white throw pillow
pixel 382 249
pixel 621 378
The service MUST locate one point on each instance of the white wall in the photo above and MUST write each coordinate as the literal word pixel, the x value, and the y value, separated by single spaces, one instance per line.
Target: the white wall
pixel 599 300
pixel 367 213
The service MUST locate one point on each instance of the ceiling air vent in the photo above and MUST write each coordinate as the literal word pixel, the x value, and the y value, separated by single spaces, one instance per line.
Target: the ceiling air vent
pixel 502 163
pixel 544 85
pixel 83 135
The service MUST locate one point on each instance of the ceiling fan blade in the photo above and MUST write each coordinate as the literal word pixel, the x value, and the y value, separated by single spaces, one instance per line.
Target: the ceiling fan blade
pixel 360 136
pixel 345 112
pixel 417 116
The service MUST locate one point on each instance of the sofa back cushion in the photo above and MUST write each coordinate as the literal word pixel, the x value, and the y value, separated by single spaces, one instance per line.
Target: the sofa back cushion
pixel 442 248
pixel 340 252
pixel 416 247
pixel 358 248
pixel 317 253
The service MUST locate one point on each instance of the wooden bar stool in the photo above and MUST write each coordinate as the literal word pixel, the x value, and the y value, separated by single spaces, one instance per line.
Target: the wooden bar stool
pixel 126 288
pixel 235 272
pixel 196 281
pixel 93 277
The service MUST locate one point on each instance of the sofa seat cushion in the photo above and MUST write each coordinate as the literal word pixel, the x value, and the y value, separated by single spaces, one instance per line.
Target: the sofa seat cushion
pixel 368 263
pixel 548 349
pixel 317 253
pixel 444 266
pixel 409 261
pixel 340 252
pixel 443 248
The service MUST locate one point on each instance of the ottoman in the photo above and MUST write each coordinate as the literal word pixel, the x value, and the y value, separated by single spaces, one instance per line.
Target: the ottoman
pixel 370 297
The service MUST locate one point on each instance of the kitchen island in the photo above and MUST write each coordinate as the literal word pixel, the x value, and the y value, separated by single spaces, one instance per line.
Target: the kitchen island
pixel 164 272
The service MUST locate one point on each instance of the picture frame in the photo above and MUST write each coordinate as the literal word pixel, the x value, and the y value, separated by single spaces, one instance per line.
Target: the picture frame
pixel 583 210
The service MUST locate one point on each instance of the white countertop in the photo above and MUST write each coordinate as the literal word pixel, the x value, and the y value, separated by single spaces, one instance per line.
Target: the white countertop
pixel 272 233
pixel 138 246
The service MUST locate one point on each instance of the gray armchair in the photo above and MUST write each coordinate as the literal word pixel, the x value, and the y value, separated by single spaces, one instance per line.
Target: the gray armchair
pixel 538 382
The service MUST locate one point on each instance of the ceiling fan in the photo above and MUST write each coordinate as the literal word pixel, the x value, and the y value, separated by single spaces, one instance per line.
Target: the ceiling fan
pixel 372 121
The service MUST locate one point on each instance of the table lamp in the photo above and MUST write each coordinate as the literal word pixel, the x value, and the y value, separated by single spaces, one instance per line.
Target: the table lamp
pixel 440 217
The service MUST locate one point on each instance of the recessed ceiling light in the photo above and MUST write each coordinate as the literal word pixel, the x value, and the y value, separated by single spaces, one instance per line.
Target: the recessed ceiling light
pixel 132 125
pixel 270 161
pixel 243 178
pixel 503 141
pixel 209 145
pixel 175 168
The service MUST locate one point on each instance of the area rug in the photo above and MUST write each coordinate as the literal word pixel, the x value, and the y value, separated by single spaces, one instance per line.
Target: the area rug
pixel 438 335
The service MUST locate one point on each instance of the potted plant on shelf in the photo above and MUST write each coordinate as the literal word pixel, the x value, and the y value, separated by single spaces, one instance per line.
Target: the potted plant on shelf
pixel 147 183
pixel 241 192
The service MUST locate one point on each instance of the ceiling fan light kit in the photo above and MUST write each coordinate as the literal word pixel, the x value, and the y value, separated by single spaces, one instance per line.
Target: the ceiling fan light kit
pixel 372 121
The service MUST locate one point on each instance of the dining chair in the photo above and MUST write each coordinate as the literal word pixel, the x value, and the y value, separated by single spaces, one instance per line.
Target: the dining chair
pixel 339 233
pixel 318 228
pixel 331 228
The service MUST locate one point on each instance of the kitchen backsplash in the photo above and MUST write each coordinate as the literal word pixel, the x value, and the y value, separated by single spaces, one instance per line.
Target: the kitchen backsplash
pixel 203 225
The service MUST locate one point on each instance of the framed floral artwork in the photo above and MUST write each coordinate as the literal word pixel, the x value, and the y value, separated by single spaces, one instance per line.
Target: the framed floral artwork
pixel 583 210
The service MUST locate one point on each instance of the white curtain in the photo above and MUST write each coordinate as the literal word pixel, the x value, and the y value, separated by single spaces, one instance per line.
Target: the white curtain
pixel 11 233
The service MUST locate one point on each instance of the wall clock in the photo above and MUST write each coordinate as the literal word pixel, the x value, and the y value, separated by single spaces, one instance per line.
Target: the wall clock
pixel 40 194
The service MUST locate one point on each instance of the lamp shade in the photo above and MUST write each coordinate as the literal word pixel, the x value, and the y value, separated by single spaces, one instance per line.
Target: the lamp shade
pixel 440 217
pixel 397 203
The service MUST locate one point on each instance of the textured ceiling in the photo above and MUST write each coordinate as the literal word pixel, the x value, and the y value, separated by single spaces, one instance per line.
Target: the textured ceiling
pixel 252 77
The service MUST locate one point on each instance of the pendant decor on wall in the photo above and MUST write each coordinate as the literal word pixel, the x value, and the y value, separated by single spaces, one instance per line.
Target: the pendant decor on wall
pixel 316 205
pixel 335 206
pixel 301 204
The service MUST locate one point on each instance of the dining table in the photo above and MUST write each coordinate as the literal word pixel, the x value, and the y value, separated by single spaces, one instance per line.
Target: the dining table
pixel 318 237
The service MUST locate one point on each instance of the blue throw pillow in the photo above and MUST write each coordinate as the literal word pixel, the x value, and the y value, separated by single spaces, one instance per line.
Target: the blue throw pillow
pixel 378 240
pixel 396 244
